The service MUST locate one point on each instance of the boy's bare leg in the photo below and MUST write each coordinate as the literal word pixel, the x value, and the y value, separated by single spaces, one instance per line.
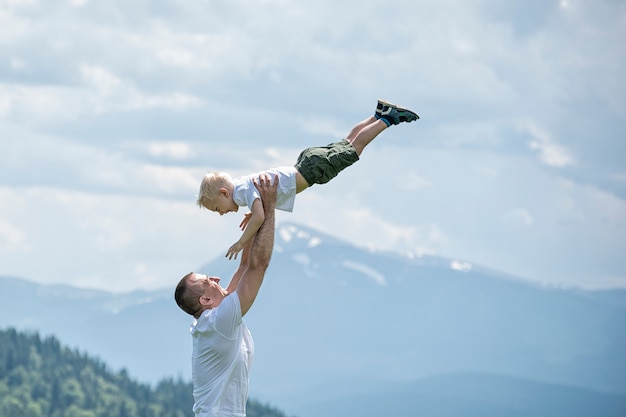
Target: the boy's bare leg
pixel 386 114
pixel 367 132
pixel 357 128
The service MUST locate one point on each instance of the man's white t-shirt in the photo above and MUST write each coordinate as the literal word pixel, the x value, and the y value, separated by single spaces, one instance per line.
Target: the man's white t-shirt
pixel 244 192
pixel 222 354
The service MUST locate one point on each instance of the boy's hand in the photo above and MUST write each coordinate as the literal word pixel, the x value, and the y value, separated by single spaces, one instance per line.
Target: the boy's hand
pixel 246 219
pixel 234 250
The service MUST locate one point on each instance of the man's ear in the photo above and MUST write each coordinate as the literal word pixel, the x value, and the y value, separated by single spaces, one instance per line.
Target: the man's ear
pixel 204 300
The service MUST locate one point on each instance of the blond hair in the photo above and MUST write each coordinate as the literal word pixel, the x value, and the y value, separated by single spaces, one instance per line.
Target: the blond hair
pixel 210 187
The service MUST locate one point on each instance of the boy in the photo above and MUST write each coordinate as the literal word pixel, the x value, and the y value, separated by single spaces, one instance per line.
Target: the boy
pixel 318 165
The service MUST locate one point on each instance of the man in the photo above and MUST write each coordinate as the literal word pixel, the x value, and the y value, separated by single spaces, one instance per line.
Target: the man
pixel 222 345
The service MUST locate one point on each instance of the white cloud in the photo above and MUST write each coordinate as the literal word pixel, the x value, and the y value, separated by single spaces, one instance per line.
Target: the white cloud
pixel 28 105
pixel 34 105
pixel 112 94
pixel 518 216
pixel 177 57
pixel 414 181
pixel 77 3
pixel 339 214
pixel 550 152
pixel 174 150
pixel 463 215
pixel 12 238
pixel 322 127
pixel 169 179
pixel 105 238
pixel 17 64
pixel 102 81
pixel 565 4
pixel 111 106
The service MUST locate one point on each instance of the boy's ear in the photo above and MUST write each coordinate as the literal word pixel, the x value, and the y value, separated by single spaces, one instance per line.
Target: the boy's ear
pixel 224 192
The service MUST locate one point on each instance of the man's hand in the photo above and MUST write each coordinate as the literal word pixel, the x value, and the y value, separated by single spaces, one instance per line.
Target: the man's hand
pixel 267 190
pixel 262 246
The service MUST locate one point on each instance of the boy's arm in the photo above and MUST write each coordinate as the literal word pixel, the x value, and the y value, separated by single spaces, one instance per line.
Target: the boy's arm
pixel 243 265
pixel 260 251
pixel 253 224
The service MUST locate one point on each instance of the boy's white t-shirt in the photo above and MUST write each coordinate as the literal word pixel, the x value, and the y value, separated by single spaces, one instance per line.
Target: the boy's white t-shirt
pixel 244 192
pixel 222 355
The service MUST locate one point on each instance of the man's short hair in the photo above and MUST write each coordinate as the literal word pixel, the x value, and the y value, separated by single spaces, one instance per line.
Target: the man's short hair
pixel 187 296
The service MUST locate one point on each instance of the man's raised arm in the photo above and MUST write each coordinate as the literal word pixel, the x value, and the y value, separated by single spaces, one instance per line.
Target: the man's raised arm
pixel 262 246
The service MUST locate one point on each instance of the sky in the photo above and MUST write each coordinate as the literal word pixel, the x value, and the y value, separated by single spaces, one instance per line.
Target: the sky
pixel 112 111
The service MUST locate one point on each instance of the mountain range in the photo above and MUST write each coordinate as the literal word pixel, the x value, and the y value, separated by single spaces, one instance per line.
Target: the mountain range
pixel 339 328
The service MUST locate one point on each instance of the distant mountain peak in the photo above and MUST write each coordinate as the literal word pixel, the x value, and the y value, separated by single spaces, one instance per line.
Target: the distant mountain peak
pixel 289 233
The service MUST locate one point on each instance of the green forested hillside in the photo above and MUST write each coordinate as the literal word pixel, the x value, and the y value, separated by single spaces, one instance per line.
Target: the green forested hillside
pixel 41 378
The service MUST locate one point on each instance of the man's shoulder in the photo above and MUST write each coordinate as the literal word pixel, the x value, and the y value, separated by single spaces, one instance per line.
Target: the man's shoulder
pixel 230 304
pixel 222 319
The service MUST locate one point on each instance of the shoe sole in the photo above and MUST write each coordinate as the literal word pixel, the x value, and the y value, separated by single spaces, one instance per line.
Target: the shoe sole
pixel 386 103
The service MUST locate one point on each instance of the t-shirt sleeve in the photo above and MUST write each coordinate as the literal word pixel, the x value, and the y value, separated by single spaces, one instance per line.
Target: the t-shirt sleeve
pixel 227 316
pixel 252 195
pixel 245 192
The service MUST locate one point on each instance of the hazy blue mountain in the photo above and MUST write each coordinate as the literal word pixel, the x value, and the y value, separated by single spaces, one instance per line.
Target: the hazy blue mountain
pixel 474 395
pixel 144 332
pixel 334 321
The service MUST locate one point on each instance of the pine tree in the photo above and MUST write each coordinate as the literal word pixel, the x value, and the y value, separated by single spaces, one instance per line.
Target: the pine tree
pixel 41 378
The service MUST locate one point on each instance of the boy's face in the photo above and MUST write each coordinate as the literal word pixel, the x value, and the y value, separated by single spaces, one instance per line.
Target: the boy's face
pixel 224 204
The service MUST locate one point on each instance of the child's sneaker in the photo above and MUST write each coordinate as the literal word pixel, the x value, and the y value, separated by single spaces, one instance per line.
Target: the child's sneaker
pixel 380 106
pixel 392 114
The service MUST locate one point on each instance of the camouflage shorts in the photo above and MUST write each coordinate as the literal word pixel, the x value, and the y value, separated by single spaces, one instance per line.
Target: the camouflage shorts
pixel 318 165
